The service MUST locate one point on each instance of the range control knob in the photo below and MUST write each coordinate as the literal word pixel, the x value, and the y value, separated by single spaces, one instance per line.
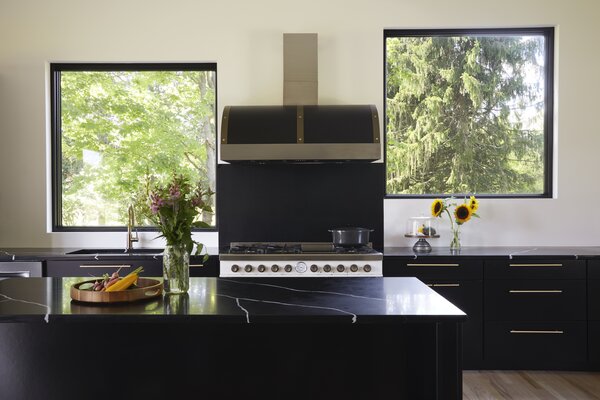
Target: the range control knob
pixel 288 268
pixel 327 268
pixel 274 268
pixel 367 268
pixel 354 268
pixel 262 268
pixel 301 267
pixel 235 268
pixel 314 268
pixel 341 268
pixel 248 268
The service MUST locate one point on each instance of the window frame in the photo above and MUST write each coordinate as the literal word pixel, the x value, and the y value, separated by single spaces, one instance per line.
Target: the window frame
pixel 548 157
pixel 56 133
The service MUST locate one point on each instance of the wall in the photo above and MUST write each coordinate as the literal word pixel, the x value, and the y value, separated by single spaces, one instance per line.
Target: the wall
pixel 245 39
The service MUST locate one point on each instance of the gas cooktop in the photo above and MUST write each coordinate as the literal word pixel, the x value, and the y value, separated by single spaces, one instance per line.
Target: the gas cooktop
pixel 312 259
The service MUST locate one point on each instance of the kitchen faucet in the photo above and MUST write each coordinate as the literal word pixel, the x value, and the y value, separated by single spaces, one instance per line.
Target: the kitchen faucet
pixel 131 236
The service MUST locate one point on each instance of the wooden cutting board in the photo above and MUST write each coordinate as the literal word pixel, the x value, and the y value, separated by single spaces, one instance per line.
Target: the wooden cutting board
pixel 145 289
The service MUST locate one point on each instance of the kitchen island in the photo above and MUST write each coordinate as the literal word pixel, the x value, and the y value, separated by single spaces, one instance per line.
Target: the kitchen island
pixel 305 338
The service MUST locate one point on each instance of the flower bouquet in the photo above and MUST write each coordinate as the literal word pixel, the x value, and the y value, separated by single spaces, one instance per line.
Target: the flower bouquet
pixel 175 209
pixel 462 213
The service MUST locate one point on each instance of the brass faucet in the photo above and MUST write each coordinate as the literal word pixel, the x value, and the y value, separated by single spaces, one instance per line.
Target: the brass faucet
pixel 131 236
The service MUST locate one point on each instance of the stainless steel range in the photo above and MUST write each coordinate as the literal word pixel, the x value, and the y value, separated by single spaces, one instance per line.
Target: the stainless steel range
pixel 280 259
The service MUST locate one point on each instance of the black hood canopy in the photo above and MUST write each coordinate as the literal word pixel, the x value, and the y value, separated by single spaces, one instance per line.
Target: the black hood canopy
pixel 300 133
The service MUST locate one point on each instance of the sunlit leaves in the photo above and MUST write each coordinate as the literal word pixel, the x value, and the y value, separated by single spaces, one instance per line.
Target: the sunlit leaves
pixel 120 126
pixel 464 114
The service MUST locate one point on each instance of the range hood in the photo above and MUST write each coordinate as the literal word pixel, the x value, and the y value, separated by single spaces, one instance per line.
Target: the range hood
pixel 300 129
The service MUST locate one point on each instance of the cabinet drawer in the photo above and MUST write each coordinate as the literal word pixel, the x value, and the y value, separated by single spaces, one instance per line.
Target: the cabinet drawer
pixel 535 269
pixel 594 344
pixel 539 345
pixel 433 268
pixel 550 300
pixel 594 299
pixel 85 268
pixel 466 295
pixel 594 269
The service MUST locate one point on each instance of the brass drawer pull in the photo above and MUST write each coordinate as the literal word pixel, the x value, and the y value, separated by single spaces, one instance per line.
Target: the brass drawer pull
pixel 433 265
pixel 196 265
pixel 105 266
pixel 556 332
pixel 535 265
pixel 535 291
pixel 443 284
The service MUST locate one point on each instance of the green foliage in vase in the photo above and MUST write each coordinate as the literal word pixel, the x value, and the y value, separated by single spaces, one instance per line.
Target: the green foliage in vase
pixel 176 208
pixel 465 114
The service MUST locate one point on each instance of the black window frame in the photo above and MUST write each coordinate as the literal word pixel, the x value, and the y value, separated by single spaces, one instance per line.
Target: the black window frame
pixel 56 130
pixel 548 33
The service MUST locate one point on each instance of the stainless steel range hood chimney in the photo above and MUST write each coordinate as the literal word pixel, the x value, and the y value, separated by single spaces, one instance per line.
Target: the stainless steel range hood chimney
pixel 300 129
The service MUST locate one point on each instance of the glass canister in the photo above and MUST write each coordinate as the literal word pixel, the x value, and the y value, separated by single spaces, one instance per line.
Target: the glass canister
pixel 421 228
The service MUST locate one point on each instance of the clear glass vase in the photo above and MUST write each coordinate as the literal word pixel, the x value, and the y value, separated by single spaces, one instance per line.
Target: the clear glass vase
pixel 455 243
pixel 176 269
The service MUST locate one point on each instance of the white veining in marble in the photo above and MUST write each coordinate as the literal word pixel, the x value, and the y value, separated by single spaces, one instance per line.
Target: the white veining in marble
pixel 510 256
pixel 46 316
pixel 237 300
pixel 303 290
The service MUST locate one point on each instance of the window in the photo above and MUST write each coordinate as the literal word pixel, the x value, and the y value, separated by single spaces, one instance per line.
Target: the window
pixel 469 111
pixel 113 125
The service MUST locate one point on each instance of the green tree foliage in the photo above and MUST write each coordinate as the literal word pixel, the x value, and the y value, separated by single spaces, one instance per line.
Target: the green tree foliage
pixel 119 127
pixel 465 115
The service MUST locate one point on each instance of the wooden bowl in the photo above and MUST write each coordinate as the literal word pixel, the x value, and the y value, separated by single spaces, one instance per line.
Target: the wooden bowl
pixel 145 289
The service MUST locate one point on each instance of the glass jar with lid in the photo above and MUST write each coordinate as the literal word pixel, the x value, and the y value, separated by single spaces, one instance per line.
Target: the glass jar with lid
pixel 421 228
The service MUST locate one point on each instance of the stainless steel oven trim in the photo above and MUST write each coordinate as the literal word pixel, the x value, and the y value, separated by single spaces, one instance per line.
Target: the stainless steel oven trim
pixel 301 257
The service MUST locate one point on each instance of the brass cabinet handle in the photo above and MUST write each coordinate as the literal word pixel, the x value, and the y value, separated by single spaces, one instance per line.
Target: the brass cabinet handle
pixel 555 332
pixel 433 265
pixel 535 265
pixel 536 291
pixel 443 284
pixel 105 266
pixel 196 265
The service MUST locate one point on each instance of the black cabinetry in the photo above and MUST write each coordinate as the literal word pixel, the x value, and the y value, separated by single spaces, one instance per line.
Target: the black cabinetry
pixel 92 267
pixel 594 313
pixel 458 280
pixel 535 314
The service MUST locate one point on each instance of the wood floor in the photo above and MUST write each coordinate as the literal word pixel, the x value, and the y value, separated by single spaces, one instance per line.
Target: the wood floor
pixel 531 385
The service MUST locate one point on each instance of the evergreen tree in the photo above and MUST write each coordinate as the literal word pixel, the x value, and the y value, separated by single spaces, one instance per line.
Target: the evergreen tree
pixel 465 115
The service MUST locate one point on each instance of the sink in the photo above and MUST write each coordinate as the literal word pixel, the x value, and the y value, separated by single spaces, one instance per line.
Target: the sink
pixel 117 252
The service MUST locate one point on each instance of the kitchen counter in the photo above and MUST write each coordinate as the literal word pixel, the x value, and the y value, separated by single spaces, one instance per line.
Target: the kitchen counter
pixel 281 338
pixel 61 253
pixel 575 252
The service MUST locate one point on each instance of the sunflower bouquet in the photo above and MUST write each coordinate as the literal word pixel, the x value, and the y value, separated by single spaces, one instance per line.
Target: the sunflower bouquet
pixel 462 213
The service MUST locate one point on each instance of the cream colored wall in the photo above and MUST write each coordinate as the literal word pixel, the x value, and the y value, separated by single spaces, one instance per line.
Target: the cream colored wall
pixel 245 39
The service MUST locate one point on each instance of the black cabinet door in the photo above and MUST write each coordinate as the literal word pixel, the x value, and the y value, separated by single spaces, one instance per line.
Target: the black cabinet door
pixel 434 267
pixel 535 345
pixel 94 268
pixel 535 269
pixel 535 300
pixel 466 295
pixel 594 344
pixel 152 267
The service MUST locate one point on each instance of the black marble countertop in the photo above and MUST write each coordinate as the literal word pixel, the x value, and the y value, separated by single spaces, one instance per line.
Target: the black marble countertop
pixel 62 253
pixel 567 252
pixel 250 300
pixel 501 252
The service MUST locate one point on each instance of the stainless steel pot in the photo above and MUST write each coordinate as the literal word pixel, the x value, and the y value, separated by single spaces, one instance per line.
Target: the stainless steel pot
pixel 350 236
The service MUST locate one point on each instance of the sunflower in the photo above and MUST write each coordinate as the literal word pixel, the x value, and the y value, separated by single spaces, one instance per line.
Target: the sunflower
pixel 473 204
pixel 463 213
pixel 437 207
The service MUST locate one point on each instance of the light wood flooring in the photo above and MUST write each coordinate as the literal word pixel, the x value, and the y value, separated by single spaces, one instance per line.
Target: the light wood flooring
pixel 531 385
